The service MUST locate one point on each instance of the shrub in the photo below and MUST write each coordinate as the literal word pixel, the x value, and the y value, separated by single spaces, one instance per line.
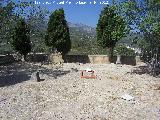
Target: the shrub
pixel 123 51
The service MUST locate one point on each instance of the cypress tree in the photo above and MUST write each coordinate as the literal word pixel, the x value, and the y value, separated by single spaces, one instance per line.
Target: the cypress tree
pixel 110 28
pixel 21 39
pixel 57 36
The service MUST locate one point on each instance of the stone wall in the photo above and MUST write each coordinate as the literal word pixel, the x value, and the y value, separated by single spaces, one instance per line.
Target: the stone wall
pixel 128 60
pixel 6 59
pixel 76 58
pixel 37 57
pixel 99 59
pixel 56 58
pixel 94 59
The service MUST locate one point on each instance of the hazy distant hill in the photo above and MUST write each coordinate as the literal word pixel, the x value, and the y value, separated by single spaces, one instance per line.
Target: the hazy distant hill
pixel 78 30
pixel 81 29
pixel 129 38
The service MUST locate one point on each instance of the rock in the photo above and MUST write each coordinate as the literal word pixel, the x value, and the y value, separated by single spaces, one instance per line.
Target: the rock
pixel 56 58
pixel 118 59
pixel 127 97
pixel 74 69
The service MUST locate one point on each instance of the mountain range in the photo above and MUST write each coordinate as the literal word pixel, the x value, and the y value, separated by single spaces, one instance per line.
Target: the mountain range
pixel 83 28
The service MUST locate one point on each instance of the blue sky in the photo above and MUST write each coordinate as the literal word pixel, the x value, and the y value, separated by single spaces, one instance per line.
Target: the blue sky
pixel 87 14
pixel 77 13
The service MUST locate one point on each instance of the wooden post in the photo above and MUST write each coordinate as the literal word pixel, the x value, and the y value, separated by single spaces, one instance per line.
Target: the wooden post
pixel 37 76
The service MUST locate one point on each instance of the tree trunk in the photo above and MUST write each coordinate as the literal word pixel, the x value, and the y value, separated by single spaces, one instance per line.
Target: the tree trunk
pixel 64 57
pixel 111 54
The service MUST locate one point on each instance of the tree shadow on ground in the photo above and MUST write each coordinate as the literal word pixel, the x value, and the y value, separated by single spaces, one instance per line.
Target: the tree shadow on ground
pixel 13 78
pixel 53 73
pixel 142 70
pixel 19 72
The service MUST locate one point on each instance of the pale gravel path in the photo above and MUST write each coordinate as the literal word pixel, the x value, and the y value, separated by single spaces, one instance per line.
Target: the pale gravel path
pixel 71 98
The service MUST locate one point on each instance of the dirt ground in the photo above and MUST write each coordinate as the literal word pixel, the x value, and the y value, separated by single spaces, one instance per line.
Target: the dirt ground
pixel 64 95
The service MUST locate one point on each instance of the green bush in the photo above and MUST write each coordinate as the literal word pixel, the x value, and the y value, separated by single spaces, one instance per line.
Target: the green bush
pixel 87 47
pixel 123 51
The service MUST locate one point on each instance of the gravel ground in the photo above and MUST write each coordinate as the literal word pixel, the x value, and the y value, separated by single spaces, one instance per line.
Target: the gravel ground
pixel 63 95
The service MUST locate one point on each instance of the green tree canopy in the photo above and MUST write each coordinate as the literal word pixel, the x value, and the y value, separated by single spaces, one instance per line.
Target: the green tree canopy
pixel 110 28
pixel 21 39
pixel 10 12
pixel 57 35
pixel 7 19
pixel 124 51
pixel 143 17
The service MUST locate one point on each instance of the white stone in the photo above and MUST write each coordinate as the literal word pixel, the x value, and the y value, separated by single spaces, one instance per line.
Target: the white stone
pixel 127 97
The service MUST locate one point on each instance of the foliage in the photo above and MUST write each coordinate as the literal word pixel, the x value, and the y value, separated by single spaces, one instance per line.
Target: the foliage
pixel 145 20
pixel 36 20
pixel 110 28
pixel 124 51
pixel 86 46
pixel 57 35
pixel 132 13
pixel 7 19
pixel 9 15
pixel 6 49
pixel 35 17
pixel 150 26
pixel 21 40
